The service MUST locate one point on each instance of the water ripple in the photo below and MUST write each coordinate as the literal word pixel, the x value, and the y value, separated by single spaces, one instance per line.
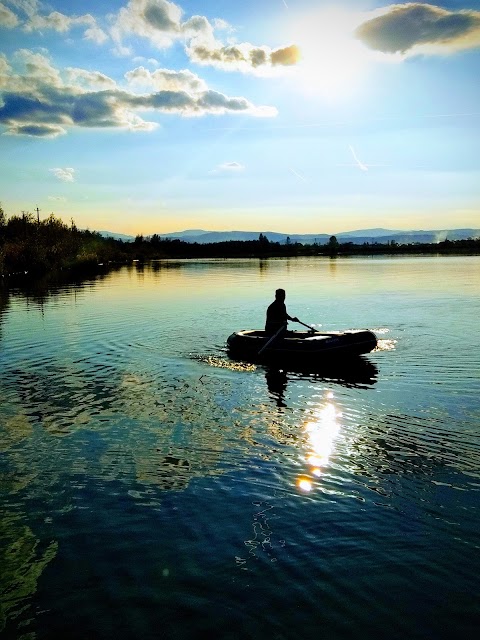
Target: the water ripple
pixel 145 475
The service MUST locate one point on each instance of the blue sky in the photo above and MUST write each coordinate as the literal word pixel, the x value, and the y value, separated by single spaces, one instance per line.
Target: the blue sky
pixel 301 116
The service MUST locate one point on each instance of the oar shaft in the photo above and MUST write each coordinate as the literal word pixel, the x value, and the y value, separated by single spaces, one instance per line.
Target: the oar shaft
pixel 320 333
pixel 272 339
pixel 306 325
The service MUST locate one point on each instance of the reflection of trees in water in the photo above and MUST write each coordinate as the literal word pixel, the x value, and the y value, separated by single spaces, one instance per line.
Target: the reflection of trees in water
pixel 16 472
pixel 263 265
pixel 54 284
pixel 153 433
pixel 172 473
pixel 15 428
pixel 65 398
pixel 4 303
pixel 142 423
pixel 182 437
pixel 22 557
pixel 22 560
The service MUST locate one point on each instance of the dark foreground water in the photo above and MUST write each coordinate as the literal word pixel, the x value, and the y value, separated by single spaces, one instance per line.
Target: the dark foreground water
pixel 151 488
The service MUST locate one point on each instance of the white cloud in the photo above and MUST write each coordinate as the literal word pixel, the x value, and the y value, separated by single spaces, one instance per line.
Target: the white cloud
pixel 228 167
pixel 95 34
pixel 157 20
pixel 65 175
pixel 166 80
pixel 36 69
pixel 244 57
pixel 41 100
pixel 90 79
pixel 415 26
pixel 58 22
pixel 160 21
pixel 232 166
pixel 5 68
pixel 135 123
pixel 151 61
pixel 57 198
pixel 27 7
pixel 222 25
pixel 7 18
pixel 35 130
pixel 33 19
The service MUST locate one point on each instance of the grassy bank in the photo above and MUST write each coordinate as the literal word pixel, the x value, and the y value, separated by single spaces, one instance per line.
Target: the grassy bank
pixel 37 247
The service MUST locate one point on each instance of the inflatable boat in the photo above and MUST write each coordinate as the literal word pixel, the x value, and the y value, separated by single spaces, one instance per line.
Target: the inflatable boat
pixel 311 346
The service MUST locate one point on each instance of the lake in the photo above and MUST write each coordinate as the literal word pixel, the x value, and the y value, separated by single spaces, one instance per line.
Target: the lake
pixel 153 488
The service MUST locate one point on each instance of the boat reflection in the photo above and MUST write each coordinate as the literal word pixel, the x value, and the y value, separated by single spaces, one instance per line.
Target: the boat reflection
pixel 321 433
pixel 354 373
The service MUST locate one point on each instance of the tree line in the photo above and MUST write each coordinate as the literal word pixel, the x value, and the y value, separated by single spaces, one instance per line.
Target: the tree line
pixel 33 246
pixel 29 245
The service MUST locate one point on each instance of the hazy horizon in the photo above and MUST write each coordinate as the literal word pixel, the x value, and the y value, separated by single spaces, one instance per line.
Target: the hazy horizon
pixel 363 229
pixel 149 116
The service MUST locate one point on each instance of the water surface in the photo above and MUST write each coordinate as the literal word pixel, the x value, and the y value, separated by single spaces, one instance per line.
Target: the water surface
pixel 153 488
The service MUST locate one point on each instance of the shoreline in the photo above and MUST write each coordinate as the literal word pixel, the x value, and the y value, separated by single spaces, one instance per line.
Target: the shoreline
pixel 80 272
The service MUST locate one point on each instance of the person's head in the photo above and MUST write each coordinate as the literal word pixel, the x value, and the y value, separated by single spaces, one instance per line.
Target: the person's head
pixel 280 294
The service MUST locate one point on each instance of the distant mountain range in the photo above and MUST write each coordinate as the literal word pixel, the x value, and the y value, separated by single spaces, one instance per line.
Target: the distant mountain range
pixel 359 236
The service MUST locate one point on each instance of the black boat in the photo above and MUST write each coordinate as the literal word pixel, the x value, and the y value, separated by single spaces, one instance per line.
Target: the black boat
pixel 308 346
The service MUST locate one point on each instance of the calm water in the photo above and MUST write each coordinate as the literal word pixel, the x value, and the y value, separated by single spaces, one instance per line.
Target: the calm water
pixel 151 488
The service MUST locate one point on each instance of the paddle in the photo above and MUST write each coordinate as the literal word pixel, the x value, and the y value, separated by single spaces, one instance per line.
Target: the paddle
pixel 313 330
pixel 275 337
pixel 308 326
pixel 280 333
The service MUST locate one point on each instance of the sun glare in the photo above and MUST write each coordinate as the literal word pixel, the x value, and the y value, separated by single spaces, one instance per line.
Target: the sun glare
pixel 333 62
pixel 322 433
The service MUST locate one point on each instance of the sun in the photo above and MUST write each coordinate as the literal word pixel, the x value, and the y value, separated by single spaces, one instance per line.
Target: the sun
pixel 333 62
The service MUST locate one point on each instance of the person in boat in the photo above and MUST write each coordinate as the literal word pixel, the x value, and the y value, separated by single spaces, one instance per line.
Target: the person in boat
pixel 277 315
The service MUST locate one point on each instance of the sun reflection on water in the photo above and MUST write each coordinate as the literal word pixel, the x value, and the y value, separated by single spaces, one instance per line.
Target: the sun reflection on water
pixel 321 434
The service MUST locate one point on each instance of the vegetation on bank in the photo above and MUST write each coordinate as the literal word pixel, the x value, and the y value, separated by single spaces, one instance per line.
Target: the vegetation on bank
pixel 33 246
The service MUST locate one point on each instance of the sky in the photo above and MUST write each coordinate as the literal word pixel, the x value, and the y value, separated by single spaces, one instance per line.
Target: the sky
pixel 297 116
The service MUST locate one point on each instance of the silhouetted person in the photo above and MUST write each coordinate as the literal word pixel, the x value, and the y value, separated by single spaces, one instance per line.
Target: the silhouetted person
pixel 277 315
